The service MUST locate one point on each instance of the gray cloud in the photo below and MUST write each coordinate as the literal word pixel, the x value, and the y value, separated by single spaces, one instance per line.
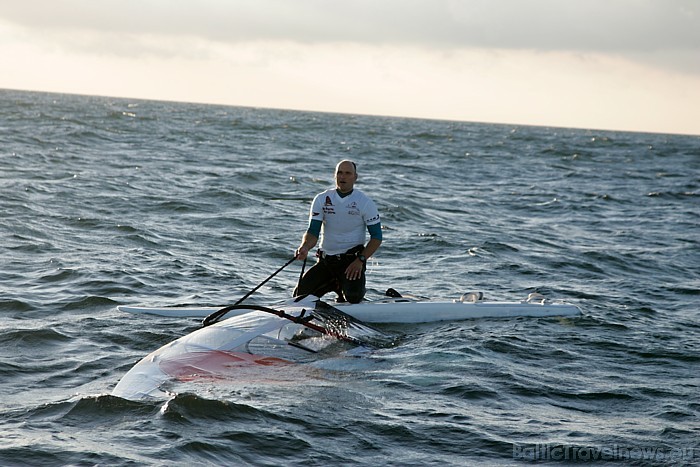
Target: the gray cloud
pixel 634 27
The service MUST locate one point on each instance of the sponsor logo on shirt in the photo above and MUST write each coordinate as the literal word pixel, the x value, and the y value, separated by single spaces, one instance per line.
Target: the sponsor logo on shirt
pixel 373 220
pixel 352 209
pixel 328 206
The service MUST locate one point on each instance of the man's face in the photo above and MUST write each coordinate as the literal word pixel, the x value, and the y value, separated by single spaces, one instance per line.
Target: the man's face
pixel 345 177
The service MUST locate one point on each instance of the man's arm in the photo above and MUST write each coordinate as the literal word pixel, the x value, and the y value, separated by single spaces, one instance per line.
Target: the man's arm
pixel 309 240
pixel 371 247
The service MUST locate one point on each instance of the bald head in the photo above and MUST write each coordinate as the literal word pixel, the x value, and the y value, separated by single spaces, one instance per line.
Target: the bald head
pixel 345 176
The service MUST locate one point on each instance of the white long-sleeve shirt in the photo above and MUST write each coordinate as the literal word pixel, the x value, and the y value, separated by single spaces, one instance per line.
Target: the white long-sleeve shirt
pixel 344 219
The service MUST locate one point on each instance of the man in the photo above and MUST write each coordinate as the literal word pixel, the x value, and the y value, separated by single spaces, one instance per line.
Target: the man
pixel 344 213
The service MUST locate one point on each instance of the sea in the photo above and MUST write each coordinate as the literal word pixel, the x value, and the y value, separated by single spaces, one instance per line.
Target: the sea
pixel 107 201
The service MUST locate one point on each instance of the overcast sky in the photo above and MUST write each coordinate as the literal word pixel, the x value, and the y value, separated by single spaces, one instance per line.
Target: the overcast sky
pixel 603 64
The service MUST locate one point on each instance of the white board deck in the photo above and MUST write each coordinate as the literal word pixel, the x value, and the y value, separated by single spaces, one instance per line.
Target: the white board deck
pixel 399 310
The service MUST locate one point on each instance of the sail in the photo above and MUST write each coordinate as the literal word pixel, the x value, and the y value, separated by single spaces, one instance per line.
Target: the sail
pixel 283 335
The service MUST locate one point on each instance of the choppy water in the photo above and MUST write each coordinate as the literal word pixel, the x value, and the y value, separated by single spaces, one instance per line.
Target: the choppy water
pixel 107 201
